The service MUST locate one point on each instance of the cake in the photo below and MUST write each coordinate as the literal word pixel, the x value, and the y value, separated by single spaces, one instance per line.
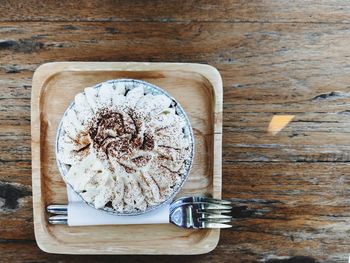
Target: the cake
pixel 126 148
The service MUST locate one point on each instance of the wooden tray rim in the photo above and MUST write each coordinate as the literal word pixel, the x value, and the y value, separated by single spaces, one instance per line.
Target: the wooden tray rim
pixel 45 71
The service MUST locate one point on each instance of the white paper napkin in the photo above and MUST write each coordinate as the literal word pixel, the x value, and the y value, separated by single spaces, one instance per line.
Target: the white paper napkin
pixel 81 214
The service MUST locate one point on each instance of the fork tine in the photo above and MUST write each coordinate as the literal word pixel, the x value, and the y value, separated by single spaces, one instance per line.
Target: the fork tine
pixel 202 199
pixel 214 225
pixel 207 215
pixel 209 206
pixel 58 220
pixel 213 211
pixel 57 209
pixel 215 220
pixel 211 200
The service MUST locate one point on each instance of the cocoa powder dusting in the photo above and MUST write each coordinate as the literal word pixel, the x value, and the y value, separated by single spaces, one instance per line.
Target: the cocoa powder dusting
pixel 148 143
pixel 116 135
pixel 82 139
pixel 141 160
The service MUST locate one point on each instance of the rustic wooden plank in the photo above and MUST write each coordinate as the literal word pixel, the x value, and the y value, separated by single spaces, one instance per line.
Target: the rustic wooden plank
pixel 289 183
pixel 297 49
pixel 218 43
pixel 332 11
pixel 27 251
pixel 301 205
pixel 285 61
pixel 298 205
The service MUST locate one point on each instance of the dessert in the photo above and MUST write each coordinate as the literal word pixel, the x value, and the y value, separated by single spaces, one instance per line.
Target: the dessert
pixel 127 149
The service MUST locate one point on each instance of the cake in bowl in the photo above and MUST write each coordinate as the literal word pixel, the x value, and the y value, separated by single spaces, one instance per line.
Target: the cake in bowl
pixel 126 146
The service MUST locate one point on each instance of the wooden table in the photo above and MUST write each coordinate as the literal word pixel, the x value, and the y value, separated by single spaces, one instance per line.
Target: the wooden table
pixel 290 190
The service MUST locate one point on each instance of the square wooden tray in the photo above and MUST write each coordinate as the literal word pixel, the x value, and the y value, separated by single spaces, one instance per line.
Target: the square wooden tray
pixel 197 87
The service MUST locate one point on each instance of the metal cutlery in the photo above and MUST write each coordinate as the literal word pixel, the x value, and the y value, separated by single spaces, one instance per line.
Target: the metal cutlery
pixel 187 212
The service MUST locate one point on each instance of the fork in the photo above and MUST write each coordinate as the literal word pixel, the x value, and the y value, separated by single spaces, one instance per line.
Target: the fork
pixel 187 212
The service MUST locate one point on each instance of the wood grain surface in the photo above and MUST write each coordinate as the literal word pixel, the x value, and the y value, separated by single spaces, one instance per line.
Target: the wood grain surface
pixel 291 191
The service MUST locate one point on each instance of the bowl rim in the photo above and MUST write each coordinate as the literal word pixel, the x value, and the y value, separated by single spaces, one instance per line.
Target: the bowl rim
pixel 151 88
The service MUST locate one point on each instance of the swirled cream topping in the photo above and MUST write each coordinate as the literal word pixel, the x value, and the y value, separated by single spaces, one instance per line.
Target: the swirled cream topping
pixel 127 150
